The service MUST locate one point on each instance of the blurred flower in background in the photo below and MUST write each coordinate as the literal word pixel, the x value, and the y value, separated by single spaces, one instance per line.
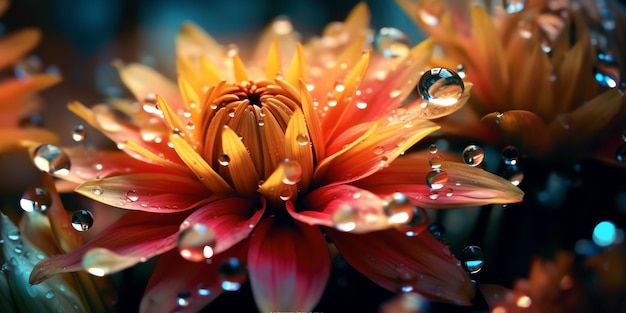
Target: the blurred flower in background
pixel 548 75
pixel 244 172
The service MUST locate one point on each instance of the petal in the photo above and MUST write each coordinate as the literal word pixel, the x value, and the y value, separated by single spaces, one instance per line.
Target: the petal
pixel 469 186
pixel 345 207
pixel 13 140
pixel 242 172
pixel 144 81
pixel 231 219
pixel 157 193
pixel 288 265
pixel 297 68
pixel 394 261
pixel 298 147
pixel 523 128
pixel 16 44
pixel 174 274
pixel 136 235
pixel 17 89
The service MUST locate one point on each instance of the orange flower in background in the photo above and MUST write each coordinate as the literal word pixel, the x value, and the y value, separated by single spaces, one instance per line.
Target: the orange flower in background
pixel 547 75
pixel 240 172
pixel 17 95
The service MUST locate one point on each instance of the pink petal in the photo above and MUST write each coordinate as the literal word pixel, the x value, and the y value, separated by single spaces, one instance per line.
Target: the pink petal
pixel 158 193
pixel 231 219
pixel 398 262
pixel 174 274
pixel 289 265
pixel 466 186
pixel 137 234
pixel 323 204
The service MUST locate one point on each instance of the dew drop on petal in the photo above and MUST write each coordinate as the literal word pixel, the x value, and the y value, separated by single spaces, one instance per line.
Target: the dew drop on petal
pixel 292 172
pixel 378 150
pixel 514 174
pixel 233 274
pixel 417 224
pixel 101 261
pixel 344 218
pixel 285 194
pixel 361 105
pixel 302 139
pixel 183 298
pixel 97 190
pixel 433 148
pixel 13 234
pixel 473 155
pixel 391 42
pixel 49 294
pixel 620 153
pixel 131 196
pixel 35 200
pixel 78 133
pixel 82 220
pixel 435 163
pixel 51 159
pixel 441 86
pixel 203 291
pixel 472 259
pixel 398 208
pixel 223 159
pixel 436 179
pixel 196 242
pixel 434 195
pixel 510 155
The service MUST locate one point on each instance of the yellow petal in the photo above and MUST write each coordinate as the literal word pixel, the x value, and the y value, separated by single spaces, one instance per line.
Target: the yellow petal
pixel 298 146
pixel 16 44
pixel 297 69
pixel 241 168
pixel 312 121
pixel 272 64
pixel 241 74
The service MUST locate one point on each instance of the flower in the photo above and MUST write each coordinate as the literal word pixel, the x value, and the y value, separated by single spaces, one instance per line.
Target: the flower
pixel 547 74
pixel 17 94
pixel 249 167
pixel 40 234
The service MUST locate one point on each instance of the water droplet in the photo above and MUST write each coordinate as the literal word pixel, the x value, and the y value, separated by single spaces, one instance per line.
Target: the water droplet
pixel 79 132
pixel 510 155
pixel 50 158
pixel 339 87
pixel 472 259
pixel 441 86
pixel 407 288
pixel 361 105
pixel 183 298
pixel 398 208
pixel 49 294
pixel 460 70
pixel 437 230
pixel 203 291
pixel 344 218
pixel 391 42
pixel 433 148
pixel 523 301
pixel 449 192
pixel 196 243
pixel 473 155
pixel 285 194
pixel 514 6
pixel 292 173
pixel 35 200
pixel 434 195
pixel 131 196
pixel 620 153
pixel 514 174
pixel 82 220
pixel 302 139
pixel 14 234
pixel 97 190
pixel 223 159
pixel 233 274
pixel 435 163
pixel 378 150
pixel 436 179
pixel 101 261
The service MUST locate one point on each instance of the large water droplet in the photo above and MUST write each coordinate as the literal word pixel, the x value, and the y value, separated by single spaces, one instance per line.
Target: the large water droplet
pixel 344 218
pixel 183 298
pixel 50 158
pixel 473 155
pixel 82 220
pixel 196 243
pixel 79 133
pixel 292 172
pixel 302 139
pixel 35 200
pixel 472 259
pixel 510 155
pixel 436 179
pixel 223 159
pixel 233 274
pixel 398 208
pixel 441 86
pixel 417 224
pixel 514 174
pixel 391 42
pixel 101 261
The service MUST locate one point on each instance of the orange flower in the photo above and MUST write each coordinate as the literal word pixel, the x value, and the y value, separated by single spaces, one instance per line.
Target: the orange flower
pixel 547 76
pixel 16 94
pixel 249 167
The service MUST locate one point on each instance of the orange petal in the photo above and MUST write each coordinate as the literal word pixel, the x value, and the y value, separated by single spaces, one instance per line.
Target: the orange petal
pixel 522 128
pixel 396 261
pixel 288 264
pixel 297 68
pixel 16 44
pixel 17 89
pixel 144 81
pixel 465 186
pixel 156 193
pixel 242 171
pixel 20 139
